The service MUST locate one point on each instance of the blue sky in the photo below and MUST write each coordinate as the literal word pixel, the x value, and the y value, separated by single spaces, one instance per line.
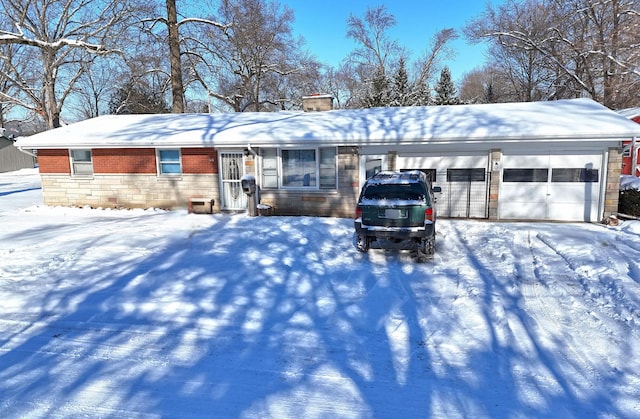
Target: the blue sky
pixel 323 24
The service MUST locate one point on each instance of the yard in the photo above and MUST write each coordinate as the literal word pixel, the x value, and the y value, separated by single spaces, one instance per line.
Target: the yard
pixel 117 313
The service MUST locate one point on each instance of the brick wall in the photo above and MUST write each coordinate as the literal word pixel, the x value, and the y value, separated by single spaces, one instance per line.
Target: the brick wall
pixel 54 161
pixel 124 160
pixel 128 178
pixel 199 160
pixel 129 160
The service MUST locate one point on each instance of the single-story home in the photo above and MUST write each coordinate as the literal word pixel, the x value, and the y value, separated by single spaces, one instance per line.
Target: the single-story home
pixel 556 160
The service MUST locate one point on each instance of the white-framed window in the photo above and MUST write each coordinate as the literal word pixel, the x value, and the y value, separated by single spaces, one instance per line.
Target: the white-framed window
pixel 269 168
pixel 299 168
pixel 81 162
pixel 169 162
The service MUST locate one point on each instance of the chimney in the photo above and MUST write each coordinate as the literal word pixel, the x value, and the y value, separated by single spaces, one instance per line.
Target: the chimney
pixel 317 103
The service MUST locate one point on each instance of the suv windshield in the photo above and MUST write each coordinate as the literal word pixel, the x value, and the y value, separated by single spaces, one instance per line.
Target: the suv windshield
pixel 402 191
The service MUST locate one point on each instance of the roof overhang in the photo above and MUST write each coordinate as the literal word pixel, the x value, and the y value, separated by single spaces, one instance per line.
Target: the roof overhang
pixel 556 121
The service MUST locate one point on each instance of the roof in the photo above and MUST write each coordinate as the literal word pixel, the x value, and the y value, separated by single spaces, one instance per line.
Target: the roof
pixel 572 119
pixel 629 112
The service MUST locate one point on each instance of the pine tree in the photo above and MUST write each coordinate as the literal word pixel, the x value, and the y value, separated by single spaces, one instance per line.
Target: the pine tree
pixel 446 93
pixel 421 94
pixel 400 92
pixel 378 94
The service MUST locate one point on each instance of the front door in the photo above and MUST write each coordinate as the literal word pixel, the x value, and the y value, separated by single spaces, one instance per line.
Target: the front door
pixel 232 170
pixel 370 165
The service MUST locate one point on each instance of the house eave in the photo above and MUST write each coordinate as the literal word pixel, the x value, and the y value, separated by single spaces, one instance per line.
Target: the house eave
pixel 330 142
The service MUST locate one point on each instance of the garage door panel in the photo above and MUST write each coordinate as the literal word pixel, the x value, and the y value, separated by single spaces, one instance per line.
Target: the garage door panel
pixel 418 162
pixel 579 160
pixel 522 211
pixel 463 162
pixel 570 193
pixel 572 212
pixel 528 162
pixel 458 198
pixel 532 192
pixel 573 192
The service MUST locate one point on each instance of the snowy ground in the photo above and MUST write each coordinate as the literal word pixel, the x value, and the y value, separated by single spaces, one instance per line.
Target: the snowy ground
pixel 168 314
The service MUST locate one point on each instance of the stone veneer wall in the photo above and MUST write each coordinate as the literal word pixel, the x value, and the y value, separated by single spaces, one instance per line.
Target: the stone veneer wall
pixel 129 190
pixel 330 203
pixel 494 184
pixel 612 192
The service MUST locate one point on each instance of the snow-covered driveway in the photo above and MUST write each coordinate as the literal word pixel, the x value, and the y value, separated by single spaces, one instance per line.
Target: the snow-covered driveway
pixel 169 314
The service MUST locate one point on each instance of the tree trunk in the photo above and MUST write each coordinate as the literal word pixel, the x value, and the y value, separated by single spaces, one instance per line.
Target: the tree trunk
pixel 49 103
pixel 177 89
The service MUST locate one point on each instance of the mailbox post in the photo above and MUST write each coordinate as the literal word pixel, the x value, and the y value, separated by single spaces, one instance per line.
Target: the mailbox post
pixel 248 183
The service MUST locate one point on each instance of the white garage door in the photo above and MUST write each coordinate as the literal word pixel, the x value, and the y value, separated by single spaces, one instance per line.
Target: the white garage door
pixel 564 187
pixel 463 179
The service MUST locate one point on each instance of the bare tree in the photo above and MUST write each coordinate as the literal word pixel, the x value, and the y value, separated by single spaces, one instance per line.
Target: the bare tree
pixel 439 49
pixel 177 88
pixel 378 60
pixel 376 49
pixel 170 34
pixel 340 83
pixel 375 56
pixel 66 35
pixel 11 68
pixel 489 84
pixel 245 66
pixel 573 47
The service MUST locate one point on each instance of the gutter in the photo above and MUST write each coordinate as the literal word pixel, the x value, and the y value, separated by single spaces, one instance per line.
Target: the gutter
pixel 22 150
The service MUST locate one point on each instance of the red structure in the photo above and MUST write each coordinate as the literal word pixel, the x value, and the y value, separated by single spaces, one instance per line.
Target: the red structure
pixel 627 157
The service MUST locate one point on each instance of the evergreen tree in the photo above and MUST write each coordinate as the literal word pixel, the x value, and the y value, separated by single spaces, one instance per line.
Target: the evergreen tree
pixel 446 93
pixel 378 94
pixel 400 92
pixel 421 94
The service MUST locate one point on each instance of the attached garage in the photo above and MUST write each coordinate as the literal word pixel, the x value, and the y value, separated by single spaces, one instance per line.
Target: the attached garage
pixel 561 186
pixel 464 180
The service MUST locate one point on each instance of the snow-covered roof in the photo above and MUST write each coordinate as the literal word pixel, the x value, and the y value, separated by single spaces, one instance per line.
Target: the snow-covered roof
pixel 630 112
pixel 574 119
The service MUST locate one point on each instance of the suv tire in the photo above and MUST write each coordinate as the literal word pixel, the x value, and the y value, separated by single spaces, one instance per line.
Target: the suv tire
pixel 427 249
pixel 362 243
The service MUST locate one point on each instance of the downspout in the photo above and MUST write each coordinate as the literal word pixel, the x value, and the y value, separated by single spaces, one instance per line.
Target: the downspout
pixel 30 153
pixel 255 160
pixel 255 171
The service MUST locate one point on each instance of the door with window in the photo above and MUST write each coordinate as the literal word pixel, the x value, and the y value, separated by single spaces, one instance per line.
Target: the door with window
pixel 370 165
pixel 231 172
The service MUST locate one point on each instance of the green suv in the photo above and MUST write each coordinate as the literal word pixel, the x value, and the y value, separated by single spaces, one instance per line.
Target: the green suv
pixel 397 209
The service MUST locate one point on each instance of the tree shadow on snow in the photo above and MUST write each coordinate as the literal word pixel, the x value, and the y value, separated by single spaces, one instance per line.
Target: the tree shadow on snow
pixel 258 318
